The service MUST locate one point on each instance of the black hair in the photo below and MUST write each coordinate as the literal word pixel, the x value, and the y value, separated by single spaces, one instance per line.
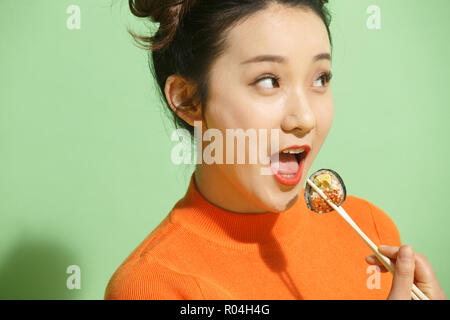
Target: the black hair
pixel 192 34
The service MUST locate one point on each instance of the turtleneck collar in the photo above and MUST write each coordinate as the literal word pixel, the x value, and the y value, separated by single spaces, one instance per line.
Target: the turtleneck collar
pixel 245 231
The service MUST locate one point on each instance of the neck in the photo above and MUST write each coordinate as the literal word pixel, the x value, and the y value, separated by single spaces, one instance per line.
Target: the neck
pixel 247 231
pixel 217 188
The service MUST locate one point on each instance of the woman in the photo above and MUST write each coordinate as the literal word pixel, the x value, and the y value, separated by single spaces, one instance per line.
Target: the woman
pixel 262 67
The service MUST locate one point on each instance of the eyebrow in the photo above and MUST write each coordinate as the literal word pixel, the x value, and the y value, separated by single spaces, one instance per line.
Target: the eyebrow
pixel 281 59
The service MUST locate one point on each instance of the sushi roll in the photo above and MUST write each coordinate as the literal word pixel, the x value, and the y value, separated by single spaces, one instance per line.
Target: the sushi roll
pixel 332 186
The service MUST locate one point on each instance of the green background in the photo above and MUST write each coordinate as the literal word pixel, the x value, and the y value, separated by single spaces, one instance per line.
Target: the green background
pixel 85 170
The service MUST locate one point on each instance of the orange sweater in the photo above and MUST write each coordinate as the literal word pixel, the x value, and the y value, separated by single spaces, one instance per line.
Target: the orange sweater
pixel 200 251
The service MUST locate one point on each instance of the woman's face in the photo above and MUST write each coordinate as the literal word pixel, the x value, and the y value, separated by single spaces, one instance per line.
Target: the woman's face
pixel 289 93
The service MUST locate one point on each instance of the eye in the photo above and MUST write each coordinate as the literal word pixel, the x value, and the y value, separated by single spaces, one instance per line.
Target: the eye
pixel 268 81
pixel 323 80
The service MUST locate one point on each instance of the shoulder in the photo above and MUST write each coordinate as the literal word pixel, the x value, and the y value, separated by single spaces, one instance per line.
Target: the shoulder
pixel 385 227
pixel 145 278
pixel 148 273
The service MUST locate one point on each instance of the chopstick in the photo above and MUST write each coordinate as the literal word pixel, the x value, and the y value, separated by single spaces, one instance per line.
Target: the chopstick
pixel 416 293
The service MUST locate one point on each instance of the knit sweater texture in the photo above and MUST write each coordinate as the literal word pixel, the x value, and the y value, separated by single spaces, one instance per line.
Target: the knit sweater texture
pixel 201 251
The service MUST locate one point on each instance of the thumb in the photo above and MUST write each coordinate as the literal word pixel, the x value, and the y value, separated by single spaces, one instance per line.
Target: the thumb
pixel 403 274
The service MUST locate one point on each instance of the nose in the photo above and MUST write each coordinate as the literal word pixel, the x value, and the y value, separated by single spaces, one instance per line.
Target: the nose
pixel 299 115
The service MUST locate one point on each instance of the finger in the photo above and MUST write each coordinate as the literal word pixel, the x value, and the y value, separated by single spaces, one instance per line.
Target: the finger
pixel 424 273
pixel 372 259
pixel 389 251
pixel 425 278
pixel 403 274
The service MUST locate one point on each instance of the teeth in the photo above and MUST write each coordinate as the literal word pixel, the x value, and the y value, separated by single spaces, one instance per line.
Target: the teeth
pixel 294 151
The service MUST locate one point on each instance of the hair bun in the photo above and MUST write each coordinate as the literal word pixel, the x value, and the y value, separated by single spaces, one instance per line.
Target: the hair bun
pixel 168 13
pixel 322 3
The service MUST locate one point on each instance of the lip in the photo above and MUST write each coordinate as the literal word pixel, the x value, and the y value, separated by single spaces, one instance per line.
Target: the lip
pixel 292 181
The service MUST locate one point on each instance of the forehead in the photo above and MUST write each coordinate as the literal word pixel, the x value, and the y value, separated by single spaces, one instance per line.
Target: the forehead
pixel 289 31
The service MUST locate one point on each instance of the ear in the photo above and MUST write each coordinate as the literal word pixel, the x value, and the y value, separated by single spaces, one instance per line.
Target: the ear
pixel 177 91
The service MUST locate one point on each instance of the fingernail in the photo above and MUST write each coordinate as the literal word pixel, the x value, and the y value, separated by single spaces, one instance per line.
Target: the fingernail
pixel 383 247
pixel 405 253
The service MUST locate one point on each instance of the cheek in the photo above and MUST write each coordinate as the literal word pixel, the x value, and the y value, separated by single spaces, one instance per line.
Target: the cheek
pixel 222 110
pixel 324 120
pixel 236 111
pixel 233 104
pixel 226 100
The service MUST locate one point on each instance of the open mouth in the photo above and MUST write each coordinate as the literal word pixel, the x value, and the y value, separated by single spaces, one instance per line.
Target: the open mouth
pixel 287 165
pixel 298 157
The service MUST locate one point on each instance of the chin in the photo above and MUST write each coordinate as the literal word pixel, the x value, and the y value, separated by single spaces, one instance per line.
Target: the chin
pixel 276 197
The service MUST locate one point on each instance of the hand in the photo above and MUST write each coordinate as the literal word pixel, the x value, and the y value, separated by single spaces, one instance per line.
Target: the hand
pixel 410 267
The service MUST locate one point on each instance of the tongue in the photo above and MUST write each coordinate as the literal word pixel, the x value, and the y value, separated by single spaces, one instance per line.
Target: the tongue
pixel 286 164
